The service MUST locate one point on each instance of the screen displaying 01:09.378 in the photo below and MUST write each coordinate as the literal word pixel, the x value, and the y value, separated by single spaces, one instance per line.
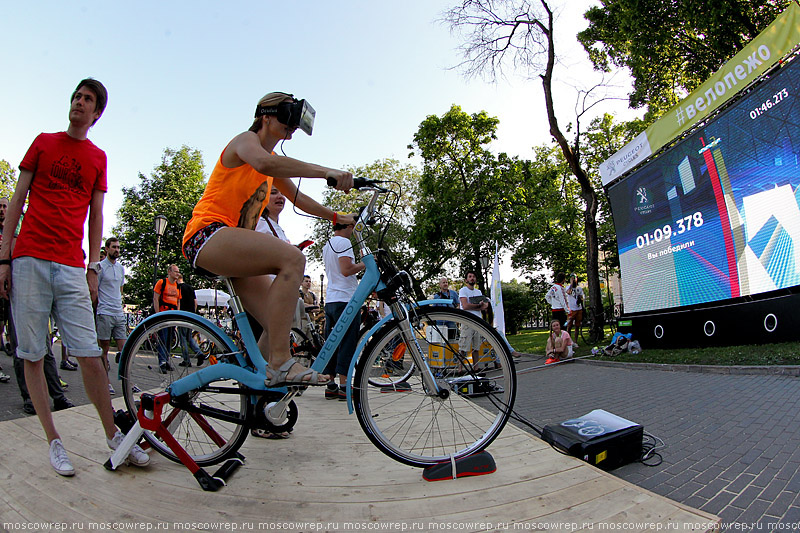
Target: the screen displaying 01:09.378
pixel 682 225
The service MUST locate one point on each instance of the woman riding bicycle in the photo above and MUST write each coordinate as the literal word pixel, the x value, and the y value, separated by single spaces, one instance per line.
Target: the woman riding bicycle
pixel 219 239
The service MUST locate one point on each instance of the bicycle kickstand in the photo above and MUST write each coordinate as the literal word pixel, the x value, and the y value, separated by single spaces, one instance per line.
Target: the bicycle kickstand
pixel 120 455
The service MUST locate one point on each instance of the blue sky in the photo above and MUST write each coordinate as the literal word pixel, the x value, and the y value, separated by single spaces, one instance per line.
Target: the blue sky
pixel 191 73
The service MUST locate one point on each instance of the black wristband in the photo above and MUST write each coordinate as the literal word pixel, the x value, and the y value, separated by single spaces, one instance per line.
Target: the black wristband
pixel 5 261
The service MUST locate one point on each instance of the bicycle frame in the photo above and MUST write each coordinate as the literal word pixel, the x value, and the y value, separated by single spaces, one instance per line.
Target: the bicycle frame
pixel 253 375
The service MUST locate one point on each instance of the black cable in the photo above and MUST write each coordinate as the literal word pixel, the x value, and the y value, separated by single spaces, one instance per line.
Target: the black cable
pixel 649 450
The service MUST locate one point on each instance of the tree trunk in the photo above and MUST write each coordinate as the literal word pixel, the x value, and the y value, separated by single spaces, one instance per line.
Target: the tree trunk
pixel 588 193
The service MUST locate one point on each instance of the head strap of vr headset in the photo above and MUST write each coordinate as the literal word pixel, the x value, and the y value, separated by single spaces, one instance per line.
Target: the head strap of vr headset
pixel 263 110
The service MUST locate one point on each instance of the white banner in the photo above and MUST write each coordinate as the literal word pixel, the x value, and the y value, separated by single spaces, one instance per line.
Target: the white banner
pixel 497 296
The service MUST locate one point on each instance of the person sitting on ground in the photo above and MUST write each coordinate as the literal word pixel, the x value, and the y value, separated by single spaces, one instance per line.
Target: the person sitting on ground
pixel 220 236
pixel 559 344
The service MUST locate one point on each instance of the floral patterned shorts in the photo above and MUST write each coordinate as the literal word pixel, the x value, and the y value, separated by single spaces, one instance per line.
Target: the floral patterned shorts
pixel 196 242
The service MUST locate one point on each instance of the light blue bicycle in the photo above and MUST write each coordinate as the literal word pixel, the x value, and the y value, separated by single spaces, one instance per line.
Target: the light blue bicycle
pixel 428 383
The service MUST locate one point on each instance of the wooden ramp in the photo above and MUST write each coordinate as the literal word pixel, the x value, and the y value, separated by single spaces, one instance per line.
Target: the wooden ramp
pixel 326 477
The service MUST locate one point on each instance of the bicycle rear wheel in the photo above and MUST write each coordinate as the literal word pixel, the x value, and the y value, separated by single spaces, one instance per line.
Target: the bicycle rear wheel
pixel 211 425
pixel 419 429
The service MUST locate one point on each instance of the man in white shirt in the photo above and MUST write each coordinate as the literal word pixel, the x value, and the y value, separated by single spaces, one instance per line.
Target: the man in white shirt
pixel 557 298
pixel 341 270
pixel 110 320
pixel 575 299
pixel 469 340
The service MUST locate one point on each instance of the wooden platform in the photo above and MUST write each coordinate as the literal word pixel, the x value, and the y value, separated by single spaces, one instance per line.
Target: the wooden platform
pixel 326 477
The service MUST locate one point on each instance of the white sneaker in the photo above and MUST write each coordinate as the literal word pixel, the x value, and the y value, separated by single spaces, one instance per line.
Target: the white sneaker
pixel 136 457
pixel 59 459
pixel 111 390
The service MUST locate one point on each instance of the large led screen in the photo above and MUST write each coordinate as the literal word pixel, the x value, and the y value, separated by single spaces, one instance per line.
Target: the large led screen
pixel 717 216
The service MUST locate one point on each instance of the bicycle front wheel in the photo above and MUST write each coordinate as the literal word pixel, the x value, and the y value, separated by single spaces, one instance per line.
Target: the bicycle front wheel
pixel 209 424
pixel 471 365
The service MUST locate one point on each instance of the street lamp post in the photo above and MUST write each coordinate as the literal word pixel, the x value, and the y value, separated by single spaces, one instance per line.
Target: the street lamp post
pixel 321 291
pixel 485 269
pixel 160 226
pixel 485 273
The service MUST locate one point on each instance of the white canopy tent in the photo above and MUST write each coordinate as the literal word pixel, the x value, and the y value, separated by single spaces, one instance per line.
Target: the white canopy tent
pixel 212 297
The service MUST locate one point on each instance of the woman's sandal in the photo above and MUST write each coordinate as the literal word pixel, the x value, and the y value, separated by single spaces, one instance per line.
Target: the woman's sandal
pixel 278 378
pixel 264 434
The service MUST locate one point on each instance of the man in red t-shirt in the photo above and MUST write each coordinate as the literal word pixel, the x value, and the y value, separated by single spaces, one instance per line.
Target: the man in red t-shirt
pixel 63 177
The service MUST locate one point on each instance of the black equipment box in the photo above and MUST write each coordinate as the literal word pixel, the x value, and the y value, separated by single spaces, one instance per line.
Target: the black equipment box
pixel 600 438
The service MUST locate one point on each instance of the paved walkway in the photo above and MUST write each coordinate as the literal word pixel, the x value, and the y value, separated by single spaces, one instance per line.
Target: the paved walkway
pixel 733 441
pixel 11 401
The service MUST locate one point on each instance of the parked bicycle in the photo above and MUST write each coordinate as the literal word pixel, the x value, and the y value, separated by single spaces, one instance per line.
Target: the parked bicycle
pixel 446 404
pixel 306 337
pixel 591 335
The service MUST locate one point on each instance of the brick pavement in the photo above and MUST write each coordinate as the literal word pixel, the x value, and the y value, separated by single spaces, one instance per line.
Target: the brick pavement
pixel 733 441
pixel 11 401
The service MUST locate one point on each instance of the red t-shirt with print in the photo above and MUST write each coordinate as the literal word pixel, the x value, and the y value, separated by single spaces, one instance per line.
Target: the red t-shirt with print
pixel 66 172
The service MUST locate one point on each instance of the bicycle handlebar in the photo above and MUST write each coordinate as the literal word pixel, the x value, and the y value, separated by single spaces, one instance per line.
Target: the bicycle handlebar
pixel 358 183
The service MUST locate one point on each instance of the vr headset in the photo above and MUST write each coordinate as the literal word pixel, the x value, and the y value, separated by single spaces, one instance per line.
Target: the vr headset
pixel 295 114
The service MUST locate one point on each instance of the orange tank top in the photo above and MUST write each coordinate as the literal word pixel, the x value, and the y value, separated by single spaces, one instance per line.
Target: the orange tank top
pixel 233 196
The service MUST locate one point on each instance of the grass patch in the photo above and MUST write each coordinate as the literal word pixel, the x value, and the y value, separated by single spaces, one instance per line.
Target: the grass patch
pixel 787 353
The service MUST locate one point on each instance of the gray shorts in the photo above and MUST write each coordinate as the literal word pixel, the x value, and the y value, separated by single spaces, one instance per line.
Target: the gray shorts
pixel 39 287
pixel 469 340
pixel 112 327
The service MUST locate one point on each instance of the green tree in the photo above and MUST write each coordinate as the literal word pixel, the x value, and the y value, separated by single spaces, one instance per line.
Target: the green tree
pixel 671 47
pixel 605 137
pixel 520 34
pixel 172 190
pixel 397 222
pixel 465 192
pixel 518 305
pixel 8 179
pixel 547 216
